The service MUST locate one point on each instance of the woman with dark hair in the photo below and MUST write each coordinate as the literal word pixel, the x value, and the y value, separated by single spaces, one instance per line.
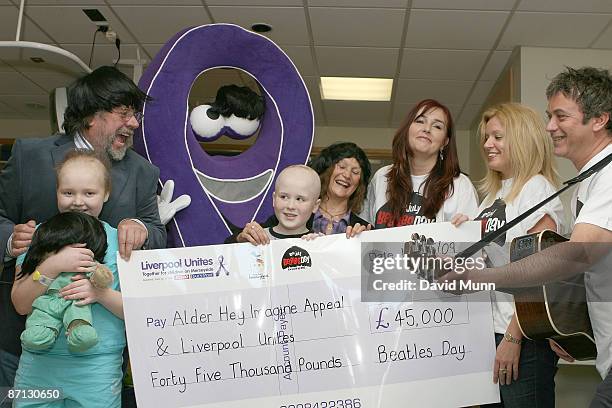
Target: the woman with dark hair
pixel 424 183
pixel 344 170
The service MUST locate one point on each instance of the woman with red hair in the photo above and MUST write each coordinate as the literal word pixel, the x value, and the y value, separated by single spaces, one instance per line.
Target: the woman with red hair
pixel 424 183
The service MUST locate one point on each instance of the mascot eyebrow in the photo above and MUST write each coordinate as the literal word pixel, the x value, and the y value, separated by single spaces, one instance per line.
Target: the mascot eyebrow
pixel 239 101
pixel 236 112
pixel 224 190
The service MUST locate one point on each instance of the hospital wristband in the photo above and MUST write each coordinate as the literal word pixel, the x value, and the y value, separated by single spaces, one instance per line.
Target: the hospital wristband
pixel 42 279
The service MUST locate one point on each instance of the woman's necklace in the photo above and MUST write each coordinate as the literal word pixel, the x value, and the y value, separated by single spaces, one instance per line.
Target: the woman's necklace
pixel 332 216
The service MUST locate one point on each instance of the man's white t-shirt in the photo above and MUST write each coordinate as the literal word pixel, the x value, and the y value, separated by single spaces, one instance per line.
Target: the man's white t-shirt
pixel 592 204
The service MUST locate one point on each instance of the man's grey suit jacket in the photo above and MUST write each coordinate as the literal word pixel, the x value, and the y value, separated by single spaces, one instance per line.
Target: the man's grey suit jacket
pixel 27 192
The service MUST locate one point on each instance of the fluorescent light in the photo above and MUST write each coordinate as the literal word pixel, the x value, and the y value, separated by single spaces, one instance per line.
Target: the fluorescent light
pixel 356 89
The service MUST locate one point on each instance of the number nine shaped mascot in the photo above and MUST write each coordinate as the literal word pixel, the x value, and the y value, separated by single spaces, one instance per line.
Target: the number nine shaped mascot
pixel 224 190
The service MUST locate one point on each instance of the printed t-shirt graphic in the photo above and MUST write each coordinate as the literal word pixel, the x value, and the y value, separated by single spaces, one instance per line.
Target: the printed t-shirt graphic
pixel 579 205
pixel 413 214
pixel 493 218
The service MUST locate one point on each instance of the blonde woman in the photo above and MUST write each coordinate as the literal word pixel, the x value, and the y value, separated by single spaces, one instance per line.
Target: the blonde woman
pixel 520 173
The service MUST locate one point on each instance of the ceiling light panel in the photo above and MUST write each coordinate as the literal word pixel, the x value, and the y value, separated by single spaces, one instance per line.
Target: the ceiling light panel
pixel 356 89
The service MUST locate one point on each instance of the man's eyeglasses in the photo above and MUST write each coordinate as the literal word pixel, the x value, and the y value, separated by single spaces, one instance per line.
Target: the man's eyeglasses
pixel 128 114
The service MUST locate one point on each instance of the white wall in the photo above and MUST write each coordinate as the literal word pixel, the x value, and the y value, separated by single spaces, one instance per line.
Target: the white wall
pixel 366 138
pixel 464 150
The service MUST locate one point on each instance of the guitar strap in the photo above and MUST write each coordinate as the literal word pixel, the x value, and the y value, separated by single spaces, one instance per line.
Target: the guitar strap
pixel 491 236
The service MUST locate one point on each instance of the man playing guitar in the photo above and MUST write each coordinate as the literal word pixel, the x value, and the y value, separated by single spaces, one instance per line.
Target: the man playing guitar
pixel 580 124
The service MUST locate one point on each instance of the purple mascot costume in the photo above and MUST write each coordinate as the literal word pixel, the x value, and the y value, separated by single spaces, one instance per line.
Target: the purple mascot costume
pixel 223 189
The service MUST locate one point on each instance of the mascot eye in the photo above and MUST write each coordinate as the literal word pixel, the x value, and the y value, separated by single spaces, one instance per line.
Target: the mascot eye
pixel 242 126
pixel 204 124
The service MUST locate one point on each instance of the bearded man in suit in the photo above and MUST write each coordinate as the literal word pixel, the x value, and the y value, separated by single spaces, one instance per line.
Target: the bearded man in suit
pixel 102 114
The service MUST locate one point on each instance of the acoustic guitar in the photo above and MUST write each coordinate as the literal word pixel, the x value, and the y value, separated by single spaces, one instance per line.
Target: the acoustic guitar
pixel 556 311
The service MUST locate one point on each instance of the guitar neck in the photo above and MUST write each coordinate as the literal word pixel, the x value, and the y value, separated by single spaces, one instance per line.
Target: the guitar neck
pixel 491 236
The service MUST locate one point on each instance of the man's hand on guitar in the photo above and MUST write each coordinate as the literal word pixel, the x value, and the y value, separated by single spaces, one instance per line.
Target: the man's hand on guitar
pixel 560 352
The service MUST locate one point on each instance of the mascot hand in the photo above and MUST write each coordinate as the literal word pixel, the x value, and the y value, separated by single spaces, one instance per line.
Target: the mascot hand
pixel 168 208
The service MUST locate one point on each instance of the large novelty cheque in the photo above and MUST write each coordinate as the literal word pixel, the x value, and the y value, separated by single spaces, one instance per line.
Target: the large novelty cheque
pixel 283 326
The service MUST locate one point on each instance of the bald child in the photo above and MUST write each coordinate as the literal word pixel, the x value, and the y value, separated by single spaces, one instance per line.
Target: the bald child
pixel 295 199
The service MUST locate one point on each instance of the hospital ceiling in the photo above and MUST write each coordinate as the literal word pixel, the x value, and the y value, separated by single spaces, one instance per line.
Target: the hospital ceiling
pixel 451 50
